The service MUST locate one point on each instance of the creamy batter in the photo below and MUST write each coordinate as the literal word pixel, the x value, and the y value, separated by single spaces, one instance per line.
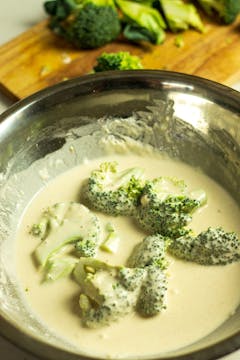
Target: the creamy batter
pixel 199 298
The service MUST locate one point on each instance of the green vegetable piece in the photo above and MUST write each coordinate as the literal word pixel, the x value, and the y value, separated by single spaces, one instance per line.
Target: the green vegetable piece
pixel 151 251
pixel 129 277
pixel 68 223
pixel 180 15
pixel 166 207
pixel 60 9
pixel 143 22
pixel 114 192
pixel 179 41
pixel 210 247
pixel 152 297
pixel 226 10
pixel 86 24
pixel 111 243
pixel 104 295
pixel 58 267
pixel 121 60
pixel 150 255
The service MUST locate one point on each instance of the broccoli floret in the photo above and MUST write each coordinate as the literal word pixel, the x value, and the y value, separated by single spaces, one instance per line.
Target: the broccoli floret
pixel 67 223
pixel 210 247
pixel 227 10
pixel 107 292
pixel 151 251
pixel 86 24
pixel 150 254
pixel 121 60
pixel 180 15
pixel 166 207
pixel 152 297
pixel 114 192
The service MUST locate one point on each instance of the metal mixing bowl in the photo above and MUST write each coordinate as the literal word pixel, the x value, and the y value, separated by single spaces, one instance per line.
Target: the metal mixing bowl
pixel 204 131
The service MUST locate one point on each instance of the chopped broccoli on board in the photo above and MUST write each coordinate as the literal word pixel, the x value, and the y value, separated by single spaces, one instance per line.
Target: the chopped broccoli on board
pixel 114 192
pixel 181 15
pixel 226 10
pixel 121 60
pixel 86 24
pixel 210 247
pixel 107 292
pixel 142 22
pixel 166 206
pixel 67 223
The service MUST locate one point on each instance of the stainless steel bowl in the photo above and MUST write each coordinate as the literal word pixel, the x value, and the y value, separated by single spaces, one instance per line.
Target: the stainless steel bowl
pixel 204 131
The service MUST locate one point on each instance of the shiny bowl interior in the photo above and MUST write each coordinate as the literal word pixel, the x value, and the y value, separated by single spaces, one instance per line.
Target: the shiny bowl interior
pixel 205 132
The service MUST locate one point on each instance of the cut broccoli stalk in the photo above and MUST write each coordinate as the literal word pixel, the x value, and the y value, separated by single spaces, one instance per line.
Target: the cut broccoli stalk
pixel 111 243
pixel 227 10
pixel 67 223
pixel 107 292
pixel 151 251
pixel 210 247
pixel 180 15
pixel 142 22
pixel 166 207
pixel 59 267
pixel 121 60
pixel 114 192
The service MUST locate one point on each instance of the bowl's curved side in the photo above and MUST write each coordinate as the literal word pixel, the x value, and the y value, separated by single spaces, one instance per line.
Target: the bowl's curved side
pixel 56 109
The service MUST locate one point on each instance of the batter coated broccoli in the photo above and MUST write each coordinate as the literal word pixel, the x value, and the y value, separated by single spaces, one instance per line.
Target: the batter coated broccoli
pixel 107 292
pixel 210 247
pixel 114 192
pixel 166 206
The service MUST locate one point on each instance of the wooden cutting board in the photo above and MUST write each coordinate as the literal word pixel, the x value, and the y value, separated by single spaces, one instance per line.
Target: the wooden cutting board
pixel 38 58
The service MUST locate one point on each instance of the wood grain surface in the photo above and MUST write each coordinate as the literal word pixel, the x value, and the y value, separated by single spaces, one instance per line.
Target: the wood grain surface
pixel 37 58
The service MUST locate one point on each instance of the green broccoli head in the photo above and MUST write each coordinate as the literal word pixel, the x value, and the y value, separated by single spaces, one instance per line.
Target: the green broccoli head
pixel 227 10
pixel 166 207
pixel 180 15
pixel 121 60
pixel 87 24
pixel 152 298
pixel 210 247
pixel 107 292
pixel 114 192
pixel 150 251
pixel 150 254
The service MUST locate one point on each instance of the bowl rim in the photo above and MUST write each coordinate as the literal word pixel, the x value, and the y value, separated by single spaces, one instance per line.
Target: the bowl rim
pixel 223 93
pixel 164 75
